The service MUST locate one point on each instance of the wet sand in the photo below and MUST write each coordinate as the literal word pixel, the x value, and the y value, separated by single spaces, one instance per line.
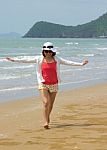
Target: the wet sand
pixel 78 122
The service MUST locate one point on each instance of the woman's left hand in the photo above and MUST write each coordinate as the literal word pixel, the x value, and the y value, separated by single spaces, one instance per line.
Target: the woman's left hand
pixel 85 62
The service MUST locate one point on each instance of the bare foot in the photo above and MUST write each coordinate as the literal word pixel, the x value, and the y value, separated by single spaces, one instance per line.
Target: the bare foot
pixel 46 126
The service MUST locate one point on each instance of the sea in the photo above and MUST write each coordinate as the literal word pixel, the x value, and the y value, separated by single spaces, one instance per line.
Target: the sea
pixel 18 80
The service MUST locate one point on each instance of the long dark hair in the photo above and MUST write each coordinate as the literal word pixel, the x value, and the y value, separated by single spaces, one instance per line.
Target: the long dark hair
pixel 53 53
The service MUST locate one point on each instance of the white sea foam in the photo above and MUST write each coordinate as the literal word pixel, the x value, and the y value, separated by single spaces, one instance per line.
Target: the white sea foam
pixel 17 88
pixel 102 48
pixel 68 70
pixel 96 44
pixel 2 59
pixel 9 77
pixel 16 54
pixel 69 43
pixel 86 55
pixel 18 67
pixel 76 43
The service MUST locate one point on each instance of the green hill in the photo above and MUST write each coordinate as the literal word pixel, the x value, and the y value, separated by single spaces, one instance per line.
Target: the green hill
pixel 96 28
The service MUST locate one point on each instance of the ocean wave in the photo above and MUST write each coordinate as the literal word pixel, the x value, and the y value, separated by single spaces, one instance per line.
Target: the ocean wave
pixel 82 81
pixel 6 77
pixel 17 67
pixel 71 43
pixel 2 59
pixel 102 48
pixel 75 69
pixel 82 69
pixel 86 55
pixel 15 54
pixel 17 88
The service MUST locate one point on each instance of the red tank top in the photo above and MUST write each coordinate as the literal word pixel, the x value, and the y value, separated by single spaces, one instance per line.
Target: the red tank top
pixel 49 73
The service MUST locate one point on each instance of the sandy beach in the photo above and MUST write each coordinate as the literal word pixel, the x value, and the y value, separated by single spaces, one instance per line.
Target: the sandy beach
pixel 78 122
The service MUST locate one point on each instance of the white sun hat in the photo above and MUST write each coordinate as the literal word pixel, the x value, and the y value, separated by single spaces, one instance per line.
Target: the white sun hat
pixel 49 46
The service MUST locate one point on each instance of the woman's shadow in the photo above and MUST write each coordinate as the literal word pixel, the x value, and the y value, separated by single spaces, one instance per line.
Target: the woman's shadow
pixel 68 125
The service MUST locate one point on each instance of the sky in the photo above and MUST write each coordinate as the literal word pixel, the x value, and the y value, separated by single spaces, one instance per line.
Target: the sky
pixel 20 15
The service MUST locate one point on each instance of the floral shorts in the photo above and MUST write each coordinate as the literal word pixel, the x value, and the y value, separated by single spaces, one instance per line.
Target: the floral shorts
pixel 51 88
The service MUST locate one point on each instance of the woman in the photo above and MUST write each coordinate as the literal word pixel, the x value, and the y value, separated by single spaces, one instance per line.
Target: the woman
pixel 48 76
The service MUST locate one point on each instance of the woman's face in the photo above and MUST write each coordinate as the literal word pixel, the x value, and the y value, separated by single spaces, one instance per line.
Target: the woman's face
pixel 47 53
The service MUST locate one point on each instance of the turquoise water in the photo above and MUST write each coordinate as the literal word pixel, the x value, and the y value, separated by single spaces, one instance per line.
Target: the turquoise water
pixel 18 80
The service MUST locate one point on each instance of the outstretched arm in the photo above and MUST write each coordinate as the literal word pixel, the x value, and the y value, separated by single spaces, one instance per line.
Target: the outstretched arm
pixel 72 63
pixel 21 60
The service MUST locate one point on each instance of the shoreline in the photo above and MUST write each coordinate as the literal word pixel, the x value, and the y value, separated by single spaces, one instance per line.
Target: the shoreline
pixel 19 95
pixel 78 121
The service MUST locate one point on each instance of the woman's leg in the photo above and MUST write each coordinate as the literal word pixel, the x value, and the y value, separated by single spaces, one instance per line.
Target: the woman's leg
pixel 46 102
pixel 52 97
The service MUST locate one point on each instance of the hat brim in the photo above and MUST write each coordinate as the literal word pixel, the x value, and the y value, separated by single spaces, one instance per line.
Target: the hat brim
pixel 51 49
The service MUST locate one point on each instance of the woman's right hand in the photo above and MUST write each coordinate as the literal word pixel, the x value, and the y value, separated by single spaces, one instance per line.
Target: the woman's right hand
pixel 10 59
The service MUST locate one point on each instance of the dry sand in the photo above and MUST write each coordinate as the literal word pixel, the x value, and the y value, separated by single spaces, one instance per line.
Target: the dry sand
pixel 78 122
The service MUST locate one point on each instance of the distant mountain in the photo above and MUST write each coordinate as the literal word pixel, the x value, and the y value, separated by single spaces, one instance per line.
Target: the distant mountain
pixel 11 34
pixel 94 29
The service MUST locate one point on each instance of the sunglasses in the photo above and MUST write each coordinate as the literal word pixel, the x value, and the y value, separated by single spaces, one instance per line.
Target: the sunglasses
pixel 47 46
pixel 47 51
